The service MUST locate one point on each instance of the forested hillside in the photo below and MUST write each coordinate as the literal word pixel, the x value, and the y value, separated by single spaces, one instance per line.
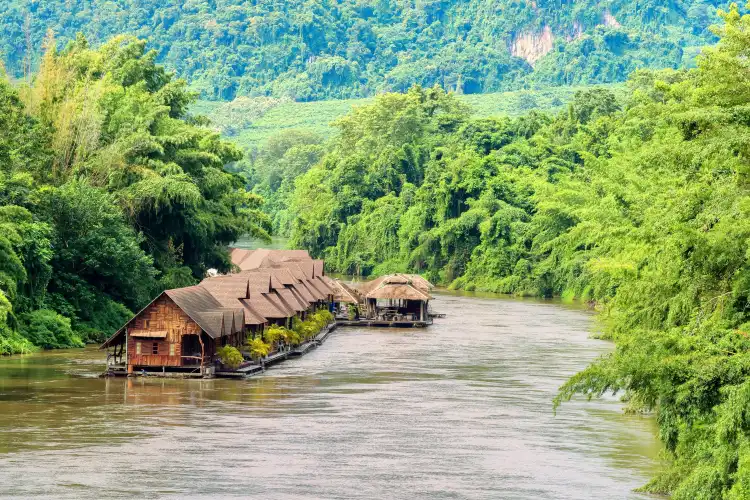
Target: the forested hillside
pixel 352 48
pixel 109 193
pixel 641 207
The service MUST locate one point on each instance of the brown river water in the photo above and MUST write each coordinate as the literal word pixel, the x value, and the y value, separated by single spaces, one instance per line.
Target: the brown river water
pixel 458 410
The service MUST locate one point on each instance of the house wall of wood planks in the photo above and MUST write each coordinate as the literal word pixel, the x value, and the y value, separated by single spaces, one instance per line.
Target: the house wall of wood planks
pixel 161 316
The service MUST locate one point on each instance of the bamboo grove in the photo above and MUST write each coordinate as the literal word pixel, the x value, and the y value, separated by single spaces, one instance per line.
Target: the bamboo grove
pixel 640 207
pixel 109 192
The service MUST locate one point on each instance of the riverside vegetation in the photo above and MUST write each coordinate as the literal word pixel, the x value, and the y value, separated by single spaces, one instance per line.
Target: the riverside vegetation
pixel 109 193
pixel 641 207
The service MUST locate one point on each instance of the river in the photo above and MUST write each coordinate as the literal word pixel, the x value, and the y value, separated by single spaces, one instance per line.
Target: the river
pixel 458 410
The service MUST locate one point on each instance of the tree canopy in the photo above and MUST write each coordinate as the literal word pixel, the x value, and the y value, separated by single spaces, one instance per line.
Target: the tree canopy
pixel 639 207
pixel 352 48
pixel 109 192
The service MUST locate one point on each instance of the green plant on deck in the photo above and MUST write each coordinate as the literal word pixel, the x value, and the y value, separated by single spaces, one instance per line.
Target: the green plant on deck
pixel 305 329
pixel 315 322
pixel 230 357
pixel 257 348
pixel 322 318
pixel 352 311
pixel 274 333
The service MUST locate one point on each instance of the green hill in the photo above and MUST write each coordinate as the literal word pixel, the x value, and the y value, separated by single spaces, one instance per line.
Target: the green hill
pixel 355 48
pixel 250 122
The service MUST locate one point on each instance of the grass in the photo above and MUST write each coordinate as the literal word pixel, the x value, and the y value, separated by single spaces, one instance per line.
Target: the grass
pixel 251 121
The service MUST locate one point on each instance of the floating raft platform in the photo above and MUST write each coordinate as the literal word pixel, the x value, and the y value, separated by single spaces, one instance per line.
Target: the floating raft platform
pixel 382 323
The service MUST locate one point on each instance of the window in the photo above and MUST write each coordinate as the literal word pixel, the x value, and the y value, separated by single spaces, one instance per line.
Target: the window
pixel 155 349
pixel 171 349
pixel 137 347
pixel 146 324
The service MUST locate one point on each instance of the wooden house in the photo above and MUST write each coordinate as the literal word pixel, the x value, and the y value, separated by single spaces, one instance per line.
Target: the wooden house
pixel 182 329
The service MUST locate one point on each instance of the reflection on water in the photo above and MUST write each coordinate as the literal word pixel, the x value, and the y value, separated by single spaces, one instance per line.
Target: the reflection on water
pixel 458 410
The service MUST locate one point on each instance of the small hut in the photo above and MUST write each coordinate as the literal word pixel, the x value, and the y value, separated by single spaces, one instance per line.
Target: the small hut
pixel 398 297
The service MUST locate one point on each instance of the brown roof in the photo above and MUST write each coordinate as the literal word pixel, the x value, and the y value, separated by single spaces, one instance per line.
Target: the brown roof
pixel 318 267
pixel 399 278
pixel 252 316
pixel 307 267
pixel 228 290
pixel 264 306
pixel 323 284
pixel 344 293
pixel 302 294
pixel 398 291
pixel 295 269
pixel 258 281
pixel 321 287
pixel 275 299
pixel 198 303
pixel 232 287
pixel 264 257
pixel 282 274
pixel 314 291
pixel 291 300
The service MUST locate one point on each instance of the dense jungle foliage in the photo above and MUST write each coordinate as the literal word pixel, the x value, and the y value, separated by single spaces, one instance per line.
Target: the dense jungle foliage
pixel 352 48
pixel 109 193
pixel 641 206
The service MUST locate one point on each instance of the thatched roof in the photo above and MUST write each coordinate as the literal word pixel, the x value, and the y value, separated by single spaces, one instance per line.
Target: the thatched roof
pixel 419 282
pixel 414 280
pixel 345 293
pixel 398 291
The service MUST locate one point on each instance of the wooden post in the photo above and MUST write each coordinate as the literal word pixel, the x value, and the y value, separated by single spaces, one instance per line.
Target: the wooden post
pixel 203 351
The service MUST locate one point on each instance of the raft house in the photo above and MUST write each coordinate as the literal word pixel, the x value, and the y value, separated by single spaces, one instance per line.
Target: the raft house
pixel 181 330
pixel 396 300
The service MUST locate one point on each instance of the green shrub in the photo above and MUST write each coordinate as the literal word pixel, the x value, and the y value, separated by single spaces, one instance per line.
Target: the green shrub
pixel 230 357
pixel 353 312
pixel 11 342
pixel 49 330
pixel 258 348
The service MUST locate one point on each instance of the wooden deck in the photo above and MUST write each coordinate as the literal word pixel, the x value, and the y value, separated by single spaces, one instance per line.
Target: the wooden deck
pixel 251 369
pixel 382 323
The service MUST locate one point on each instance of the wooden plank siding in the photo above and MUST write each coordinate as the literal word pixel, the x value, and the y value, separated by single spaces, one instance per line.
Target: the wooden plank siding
pixel 162 315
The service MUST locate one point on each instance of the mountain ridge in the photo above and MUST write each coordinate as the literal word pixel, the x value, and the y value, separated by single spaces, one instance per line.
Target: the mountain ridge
pixel 353 48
